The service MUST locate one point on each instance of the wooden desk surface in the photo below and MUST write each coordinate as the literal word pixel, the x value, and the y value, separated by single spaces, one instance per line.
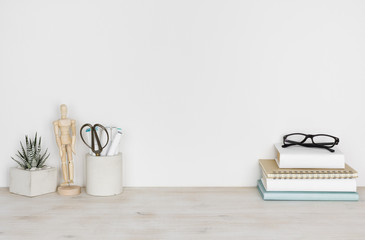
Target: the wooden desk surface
pixel 178 213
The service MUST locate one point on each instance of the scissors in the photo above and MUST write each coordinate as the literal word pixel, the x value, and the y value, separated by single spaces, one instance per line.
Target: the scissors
pixel 95 137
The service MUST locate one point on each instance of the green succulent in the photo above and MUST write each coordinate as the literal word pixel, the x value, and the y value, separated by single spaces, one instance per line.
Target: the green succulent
pixel 31 156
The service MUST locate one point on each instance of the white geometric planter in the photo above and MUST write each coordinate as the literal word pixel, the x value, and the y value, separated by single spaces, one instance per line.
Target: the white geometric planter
pixel 33 183
pixel 104 175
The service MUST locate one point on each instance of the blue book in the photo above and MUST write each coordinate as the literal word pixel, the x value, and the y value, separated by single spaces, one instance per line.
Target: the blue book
pixel 306 196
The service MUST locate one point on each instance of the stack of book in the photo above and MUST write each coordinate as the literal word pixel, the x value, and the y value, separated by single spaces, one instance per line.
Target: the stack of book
pixel 299 173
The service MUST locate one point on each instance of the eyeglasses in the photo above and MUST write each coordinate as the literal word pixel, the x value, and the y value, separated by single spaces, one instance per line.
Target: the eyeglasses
pixel 318 140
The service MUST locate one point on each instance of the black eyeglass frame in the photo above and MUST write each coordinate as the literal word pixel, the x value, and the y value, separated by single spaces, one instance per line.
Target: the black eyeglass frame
pixel 326 145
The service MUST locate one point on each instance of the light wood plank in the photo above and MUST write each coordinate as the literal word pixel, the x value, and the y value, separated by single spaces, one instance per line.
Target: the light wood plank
pixel 177 213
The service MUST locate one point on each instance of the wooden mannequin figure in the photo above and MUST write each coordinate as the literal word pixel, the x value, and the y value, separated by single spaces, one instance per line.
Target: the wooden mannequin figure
pixel 66 146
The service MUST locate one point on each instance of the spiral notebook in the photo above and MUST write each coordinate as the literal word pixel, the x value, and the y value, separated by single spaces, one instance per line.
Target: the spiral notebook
pixel 272 170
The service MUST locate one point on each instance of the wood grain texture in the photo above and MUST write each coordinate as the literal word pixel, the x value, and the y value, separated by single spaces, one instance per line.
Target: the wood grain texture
pixel 177 213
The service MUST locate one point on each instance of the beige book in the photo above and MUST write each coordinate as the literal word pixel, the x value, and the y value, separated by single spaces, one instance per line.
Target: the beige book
pixel 271 170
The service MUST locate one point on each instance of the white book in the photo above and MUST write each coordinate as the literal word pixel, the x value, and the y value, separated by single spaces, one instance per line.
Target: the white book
pixel 304 157
pixel 310 185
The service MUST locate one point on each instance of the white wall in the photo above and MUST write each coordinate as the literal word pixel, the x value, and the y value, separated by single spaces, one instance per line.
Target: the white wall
pixel 201 88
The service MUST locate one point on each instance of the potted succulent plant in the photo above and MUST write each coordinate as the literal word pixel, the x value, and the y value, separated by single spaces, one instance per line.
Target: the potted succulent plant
pixel 32 177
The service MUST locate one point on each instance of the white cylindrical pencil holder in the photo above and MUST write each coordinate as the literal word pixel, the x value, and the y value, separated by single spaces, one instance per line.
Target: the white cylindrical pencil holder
pixel 104 175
